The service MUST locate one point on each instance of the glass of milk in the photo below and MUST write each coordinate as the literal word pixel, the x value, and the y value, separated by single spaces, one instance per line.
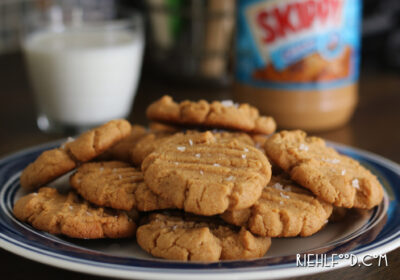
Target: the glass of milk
pixel 83 73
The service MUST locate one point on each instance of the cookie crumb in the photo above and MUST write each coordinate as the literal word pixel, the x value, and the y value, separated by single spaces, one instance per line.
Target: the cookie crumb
pixel 356 184
pixel 181 148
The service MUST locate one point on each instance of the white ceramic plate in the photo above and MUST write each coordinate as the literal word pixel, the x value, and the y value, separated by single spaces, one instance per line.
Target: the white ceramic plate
pixel 362 234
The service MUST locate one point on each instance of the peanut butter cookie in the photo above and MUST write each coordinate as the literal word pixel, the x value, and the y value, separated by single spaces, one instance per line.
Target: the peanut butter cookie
pixel 283 210
pixel 207 175
pixel 123 149
pixel 146 145
pixel 332 177
pixel 224 114
pixel 48 166
pixel 198 239
pixel 239 136
pixel 56 162
pixel 117 185
pixel 163 128
pixel 97 140
pixel 69 215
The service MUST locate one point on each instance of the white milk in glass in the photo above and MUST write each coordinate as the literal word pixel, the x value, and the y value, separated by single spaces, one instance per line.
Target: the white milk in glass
pixel 84 78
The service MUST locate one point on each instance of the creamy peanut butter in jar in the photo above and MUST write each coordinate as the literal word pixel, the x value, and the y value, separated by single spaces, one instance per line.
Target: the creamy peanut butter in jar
pixel 298 60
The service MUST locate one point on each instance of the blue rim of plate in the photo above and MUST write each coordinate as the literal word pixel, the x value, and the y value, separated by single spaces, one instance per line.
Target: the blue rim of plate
pixel 378 236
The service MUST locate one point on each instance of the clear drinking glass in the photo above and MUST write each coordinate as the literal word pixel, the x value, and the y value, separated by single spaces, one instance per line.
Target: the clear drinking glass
pixel 83 72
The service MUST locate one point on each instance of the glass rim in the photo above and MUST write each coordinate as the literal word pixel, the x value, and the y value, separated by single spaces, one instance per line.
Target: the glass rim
pixel 125 19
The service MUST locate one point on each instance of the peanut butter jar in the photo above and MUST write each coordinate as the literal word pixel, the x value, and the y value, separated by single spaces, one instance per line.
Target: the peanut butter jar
pixel 298 60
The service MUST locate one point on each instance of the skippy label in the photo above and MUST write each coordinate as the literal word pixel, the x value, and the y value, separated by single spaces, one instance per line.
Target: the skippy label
pixel 302 44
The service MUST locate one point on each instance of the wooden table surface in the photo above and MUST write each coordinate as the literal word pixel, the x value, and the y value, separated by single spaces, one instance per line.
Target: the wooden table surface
pixel 375 127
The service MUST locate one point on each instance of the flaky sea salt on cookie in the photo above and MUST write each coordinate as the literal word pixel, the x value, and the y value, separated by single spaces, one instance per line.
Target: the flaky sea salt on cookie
pixel 218 114
pixel 331 176
pixel 283 210
pixel 205 174
pixel 69 215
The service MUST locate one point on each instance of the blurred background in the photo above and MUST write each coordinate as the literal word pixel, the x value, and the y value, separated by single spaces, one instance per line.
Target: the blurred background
pixel 380 33
pixel 184 58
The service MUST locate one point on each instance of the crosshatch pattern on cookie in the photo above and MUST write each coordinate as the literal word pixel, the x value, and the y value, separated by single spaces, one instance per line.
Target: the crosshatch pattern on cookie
pixel 283 210
pixel 56 162
pixel 69 215
pixel 181 238
pixel 205 175
pixel 117 185
pixel 332 177
pixel 97 140
pixel 147 144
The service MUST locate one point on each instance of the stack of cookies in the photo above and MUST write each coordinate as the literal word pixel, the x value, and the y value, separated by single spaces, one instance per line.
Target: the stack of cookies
pixel 206 182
